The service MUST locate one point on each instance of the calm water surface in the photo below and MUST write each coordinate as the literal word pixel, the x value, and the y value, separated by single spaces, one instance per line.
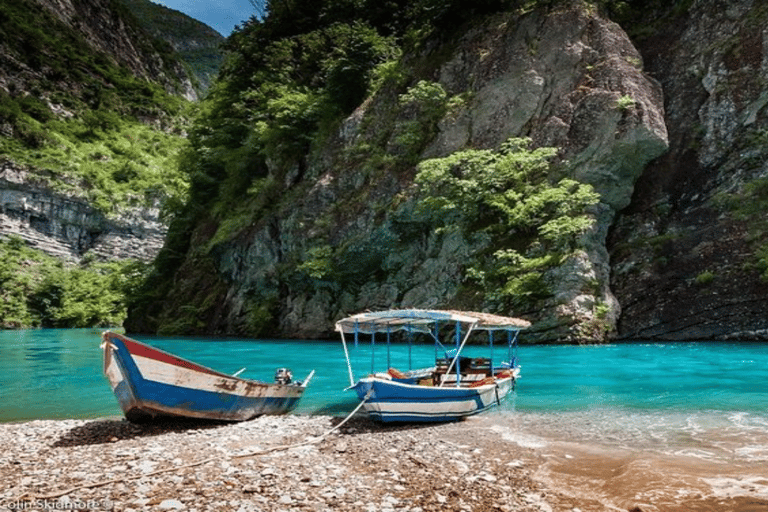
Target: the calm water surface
pixel 637 412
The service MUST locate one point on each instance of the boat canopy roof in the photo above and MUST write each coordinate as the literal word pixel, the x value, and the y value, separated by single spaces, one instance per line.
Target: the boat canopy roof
pixel 423 320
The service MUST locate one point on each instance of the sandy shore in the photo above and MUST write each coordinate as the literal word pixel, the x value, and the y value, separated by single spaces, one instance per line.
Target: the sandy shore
pixel 114 465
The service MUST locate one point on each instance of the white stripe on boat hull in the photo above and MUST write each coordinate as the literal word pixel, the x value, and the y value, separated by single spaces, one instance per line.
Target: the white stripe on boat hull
pixel 393 402
pixel 164 373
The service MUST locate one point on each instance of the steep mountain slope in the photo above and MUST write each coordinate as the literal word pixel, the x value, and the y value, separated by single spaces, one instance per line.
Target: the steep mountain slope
pixel 384 176
pixel 195 42
pixel 88 110
pixel 102 25
pixel 92 116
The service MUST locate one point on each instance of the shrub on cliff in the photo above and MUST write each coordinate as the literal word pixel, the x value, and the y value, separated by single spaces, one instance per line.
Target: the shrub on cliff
pixel 533 220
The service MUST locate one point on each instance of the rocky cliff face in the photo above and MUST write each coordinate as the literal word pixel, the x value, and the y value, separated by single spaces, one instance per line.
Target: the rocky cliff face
pixel 670 129
pixel 561 79
pixel 67 227
pixel 684 266
pixel 107 32
pixel 568 79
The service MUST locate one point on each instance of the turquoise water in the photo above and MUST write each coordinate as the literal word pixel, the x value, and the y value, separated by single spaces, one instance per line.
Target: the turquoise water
pixel 57 373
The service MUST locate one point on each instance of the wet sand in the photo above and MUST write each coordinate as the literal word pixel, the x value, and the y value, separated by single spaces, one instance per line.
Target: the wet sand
pixel 624 479
pixel 693 476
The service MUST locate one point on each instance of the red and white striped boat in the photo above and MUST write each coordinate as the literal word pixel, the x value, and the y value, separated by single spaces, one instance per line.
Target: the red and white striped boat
pixel 150 383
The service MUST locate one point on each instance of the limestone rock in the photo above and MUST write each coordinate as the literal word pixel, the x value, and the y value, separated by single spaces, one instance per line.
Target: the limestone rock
pixel 66 226
pixel 569 79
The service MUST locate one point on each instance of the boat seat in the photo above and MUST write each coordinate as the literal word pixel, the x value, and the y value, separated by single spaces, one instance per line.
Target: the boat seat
pixel 466 364
pixel 469 377
pixel 399 376
pixel 396 374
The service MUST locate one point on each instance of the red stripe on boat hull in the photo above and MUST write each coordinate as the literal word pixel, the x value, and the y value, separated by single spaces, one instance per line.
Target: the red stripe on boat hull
pixel 139 349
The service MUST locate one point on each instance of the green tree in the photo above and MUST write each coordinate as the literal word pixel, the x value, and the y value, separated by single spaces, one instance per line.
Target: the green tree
pixel 533 221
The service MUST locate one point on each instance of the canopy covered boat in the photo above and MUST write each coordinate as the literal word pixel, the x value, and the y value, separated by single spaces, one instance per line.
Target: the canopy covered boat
pixel 150 383
pixel 455 387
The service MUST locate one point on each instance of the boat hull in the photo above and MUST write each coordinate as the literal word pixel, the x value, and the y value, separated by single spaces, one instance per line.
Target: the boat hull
pixel 392 401
pixel 149 383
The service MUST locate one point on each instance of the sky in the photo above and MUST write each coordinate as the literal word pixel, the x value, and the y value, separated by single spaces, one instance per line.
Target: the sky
pixel 221 15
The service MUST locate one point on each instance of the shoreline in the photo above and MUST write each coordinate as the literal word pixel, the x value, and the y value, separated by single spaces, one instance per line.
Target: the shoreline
pixel 283 463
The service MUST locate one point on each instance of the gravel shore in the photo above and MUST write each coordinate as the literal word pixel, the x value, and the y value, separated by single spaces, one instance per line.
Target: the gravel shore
pixel 111 464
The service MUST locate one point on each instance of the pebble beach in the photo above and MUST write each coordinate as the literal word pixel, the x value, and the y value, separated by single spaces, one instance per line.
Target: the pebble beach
pixel 287 463
pixel 299 463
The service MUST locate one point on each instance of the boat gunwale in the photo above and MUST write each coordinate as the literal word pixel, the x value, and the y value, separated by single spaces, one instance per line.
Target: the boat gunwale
pixel 496 382
pixel 189 365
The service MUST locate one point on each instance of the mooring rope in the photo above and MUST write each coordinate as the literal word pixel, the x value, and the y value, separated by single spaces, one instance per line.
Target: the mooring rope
pixel 58 494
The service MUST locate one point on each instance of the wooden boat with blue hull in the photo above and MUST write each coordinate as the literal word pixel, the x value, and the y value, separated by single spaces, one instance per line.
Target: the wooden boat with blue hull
pixel 150 383
pixel 456 387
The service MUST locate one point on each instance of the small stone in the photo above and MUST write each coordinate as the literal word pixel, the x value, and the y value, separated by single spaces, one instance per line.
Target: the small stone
pixel 171 505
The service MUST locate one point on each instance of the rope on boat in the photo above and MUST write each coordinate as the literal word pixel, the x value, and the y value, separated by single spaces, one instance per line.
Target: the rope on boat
pixel 317 440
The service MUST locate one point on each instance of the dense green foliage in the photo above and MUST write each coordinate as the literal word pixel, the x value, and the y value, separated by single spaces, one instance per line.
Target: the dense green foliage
pixel 289 79
pixel 115 163
pixel 291 76
pixel 37 290
pixel 83 124
pixel 84 118
pixel 508 194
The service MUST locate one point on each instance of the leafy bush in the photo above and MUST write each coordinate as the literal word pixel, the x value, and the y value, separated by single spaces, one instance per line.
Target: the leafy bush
pixel 318 264
pixel 40 291
pixel 507 194
pixel 423 106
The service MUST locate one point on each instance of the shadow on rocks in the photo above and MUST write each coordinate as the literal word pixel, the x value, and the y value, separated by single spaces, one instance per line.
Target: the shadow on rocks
pixel 362 424
pixel 110 431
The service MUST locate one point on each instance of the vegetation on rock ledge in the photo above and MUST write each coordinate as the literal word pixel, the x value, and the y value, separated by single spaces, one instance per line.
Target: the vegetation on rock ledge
pixel 37 290
pixel 100 130
pixel 533 222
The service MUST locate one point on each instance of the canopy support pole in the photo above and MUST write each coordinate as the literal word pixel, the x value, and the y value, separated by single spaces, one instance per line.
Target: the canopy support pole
pixel 410 348
pixel 490 342
pixel 346 354
pixel 458 349
pixel 456 357
pixel 512 343
pixel 373 350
